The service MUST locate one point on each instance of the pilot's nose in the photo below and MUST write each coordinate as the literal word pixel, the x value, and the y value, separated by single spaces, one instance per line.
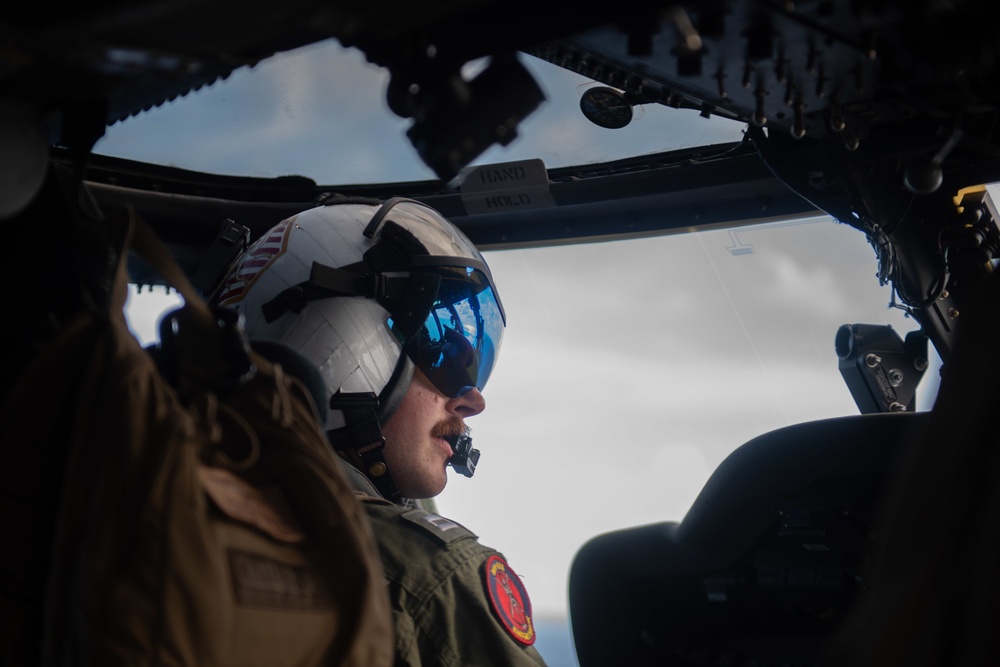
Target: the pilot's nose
pixel 469 404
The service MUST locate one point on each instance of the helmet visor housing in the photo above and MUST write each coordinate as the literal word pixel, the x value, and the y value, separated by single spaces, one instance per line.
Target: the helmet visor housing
pixel 456 348
pixel 457 344
pixel 436 235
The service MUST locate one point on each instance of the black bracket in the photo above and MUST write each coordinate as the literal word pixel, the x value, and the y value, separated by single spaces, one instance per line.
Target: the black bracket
pixel 881 370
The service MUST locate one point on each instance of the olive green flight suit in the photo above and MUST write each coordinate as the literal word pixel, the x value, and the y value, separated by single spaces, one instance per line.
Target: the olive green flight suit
pixel 439 579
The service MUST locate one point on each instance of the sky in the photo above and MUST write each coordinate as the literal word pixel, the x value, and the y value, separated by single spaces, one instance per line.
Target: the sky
pixel 629 369
pixel 325 117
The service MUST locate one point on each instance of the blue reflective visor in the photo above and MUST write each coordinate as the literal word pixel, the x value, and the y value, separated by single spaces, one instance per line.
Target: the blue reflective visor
pixel 458 343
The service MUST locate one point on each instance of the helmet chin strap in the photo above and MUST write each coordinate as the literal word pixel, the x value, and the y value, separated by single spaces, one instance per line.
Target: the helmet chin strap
pixel 364 413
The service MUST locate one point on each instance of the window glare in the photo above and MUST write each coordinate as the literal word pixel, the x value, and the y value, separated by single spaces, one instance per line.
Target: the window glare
pixel 144 308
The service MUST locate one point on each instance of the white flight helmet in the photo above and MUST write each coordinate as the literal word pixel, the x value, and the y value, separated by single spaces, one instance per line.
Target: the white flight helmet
pixel 366 292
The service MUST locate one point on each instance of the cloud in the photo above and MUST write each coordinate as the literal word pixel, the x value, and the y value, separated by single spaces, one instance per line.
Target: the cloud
pixel 540 529
pixel 630 370
pixel 320 111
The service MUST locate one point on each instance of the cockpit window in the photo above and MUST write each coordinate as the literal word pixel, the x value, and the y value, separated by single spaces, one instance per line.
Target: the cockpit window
pixel 630 369
pixel 320 112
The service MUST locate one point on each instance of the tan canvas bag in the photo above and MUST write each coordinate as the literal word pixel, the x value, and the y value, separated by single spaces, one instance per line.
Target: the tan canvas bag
pixel 202 522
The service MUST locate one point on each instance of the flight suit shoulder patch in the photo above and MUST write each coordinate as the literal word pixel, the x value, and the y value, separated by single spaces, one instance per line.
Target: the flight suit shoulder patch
pixel 509 600
pixel 442 529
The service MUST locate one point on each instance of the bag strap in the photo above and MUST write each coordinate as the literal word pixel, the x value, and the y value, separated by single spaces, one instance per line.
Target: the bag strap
pixel 148 245
pixel 301 463
pixel 218 354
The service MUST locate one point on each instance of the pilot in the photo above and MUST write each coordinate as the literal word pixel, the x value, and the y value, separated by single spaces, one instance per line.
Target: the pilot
pixel 397 310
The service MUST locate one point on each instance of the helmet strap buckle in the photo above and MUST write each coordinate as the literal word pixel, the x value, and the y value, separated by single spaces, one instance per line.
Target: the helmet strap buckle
pixel 362 434
pixel 377 470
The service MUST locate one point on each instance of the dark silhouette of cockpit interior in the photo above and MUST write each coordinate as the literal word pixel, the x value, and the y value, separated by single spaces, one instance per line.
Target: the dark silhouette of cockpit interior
pixel 762 569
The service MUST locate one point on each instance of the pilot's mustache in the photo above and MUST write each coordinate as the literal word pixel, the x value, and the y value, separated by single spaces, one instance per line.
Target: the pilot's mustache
pixel 449 429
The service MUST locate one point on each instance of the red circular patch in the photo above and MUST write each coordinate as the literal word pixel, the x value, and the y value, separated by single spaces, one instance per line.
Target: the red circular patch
pixel 509 600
